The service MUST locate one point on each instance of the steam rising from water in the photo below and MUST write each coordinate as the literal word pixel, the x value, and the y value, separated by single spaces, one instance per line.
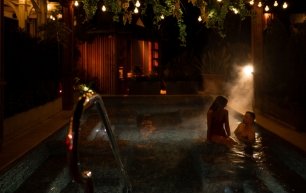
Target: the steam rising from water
pixel 241 90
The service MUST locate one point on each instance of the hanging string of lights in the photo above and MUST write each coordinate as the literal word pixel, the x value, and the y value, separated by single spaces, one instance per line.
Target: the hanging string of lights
pixel 268 5
pixel 212 13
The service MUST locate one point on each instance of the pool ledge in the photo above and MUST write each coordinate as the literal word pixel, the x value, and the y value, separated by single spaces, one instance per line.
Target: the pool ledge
pixel 277 127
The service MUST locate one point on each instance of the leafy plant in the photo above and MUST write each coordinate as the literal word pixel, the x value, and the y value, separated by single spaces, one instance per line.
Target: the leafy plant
pixel 215 61
pixel 211 12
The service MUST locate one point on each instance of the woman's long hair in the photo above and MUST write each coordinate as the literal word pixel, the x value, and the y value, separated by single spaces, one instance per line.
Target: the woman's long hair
pixel 219 103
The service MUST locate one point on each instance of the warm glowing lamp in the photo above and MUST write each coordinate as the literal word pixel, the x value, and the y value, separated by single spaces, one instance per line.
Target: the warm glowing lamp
pixel 251 2
pixel 137 4
pixel 259 4
pixel 136 10
pixel 199 18
pixel 248 70
pixel 267 8
pixel 163 92
pixel 76 3
pixel 275 4
pixel 103 8
pixel 285 5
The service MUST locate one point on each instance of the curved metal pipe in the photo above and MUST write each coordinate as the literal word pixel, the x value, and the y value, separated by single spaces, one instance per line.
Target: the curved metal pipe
pixel 84 177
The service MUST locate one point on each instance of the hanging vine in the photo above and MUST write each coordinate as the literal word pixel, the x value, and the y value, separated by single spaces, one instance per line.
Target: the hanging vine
pixel 212 12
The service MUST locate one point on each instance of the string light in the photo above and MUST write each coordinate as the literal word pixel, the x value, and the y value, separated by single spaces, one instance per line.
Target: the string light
pixel 235 10
pixel 162 17
pixel 76 3
pixel 103 8
pixel 199 18
pixel 137 4
pixel 136 10
pixel 267 6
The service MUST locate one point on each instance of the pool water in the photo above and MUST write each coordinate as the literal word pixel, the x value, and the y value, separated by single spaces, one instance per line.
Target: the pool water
pixel 163 148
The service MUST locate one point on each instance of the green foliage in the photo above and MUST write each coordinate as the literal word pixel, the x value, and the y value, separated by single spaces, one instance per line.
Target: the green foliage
pixel 54 30
pixel 213 13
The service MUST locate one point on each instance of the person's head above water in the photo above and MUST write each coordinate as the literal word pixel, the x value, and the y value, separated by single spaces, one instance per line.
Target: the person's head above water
pixel 249 117
pixel 219 103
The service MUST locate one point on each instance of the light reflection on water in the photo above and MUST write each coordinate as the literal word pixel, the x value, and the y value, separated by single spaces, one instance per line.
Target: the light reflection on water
pixel 166 152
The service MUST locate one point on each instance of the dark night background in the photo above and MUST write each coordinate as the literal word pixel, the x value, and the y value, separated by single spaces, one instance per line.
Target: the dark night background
pixel 32 66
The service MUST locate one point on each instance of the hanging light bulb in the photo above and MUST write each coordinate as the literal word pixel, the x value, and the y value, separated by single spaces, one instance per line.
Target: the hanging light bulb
pixel 275 4
pixel 219 0
pixel 267 8
pixel 136 10
pixel 259 4
pixel 162 16
pixel 137 4
pixel 76 3
pixel 199 18
pixel 251 2
pixel 285 5
pixel 235 10
pixel 103 8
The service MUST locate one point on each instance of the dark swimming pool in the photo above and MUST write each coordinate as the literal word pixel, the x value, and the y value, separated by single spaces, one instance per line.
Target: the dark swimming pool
pixel 162 144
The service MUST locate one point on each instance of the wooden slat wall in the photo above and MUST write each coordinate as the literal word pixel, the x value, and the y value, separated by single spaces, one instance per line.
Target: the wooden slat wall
pixel 142 55
pixel 98 62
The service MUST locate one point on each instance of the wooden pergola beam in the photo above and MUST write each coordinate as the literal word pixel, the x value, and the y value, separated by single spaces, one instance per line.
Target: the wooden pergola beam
pixel 2 83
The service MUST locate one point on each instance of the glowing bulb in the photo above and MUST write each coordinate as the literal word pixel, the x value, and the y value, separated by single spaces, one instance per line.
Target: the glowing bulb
pixel 103 8
pixel 267 8
pixel 248 70
pixel 219 0
pixel 137 4
pixel 236 11
pixel 259 4
pixel 199 18
pixel 251 2
pixel 59 16
pixel 76 3
pixel 285 5
pixel 162 17
pixel 275 4
pixel 136 10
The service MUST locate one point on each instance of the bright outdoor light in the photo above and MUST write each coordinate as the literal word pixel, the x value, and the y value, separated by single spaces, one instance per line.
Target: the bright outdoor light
pixel 267 8
pixel 285 5
pixel 251 2
pixel 162 17
pixel 76 3
pixel 137 4
pixel 275 4
pixel 259 4
pixel 248 70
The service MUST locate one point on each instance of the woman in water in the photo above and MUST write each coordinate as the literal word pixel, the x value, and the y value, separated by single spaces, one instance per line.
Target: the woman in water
pixel 218 129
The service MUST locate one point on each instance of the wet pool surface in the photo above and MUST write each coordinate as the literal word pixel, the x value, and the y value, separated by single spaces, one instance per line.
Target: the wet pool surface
pixel 163 149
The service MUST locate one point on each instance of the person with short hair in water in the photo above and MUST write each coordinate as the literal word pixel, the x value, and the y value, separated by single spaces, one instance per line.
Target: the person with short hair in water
pixel 218 129
pixel 245 130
